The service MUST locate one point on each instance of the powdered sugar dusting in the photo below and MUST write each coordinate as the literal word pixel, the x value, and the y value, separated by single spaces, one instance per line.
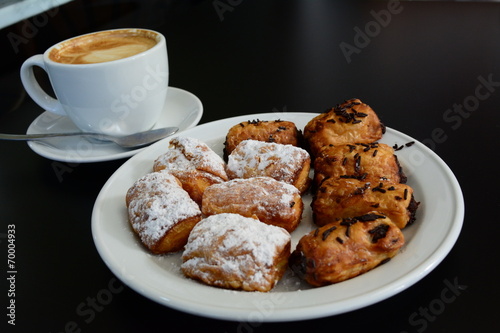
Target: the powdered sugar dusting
pixel 236 247
pixel 157 204
pixel 186 154
pixel 151 184
pixel 253 158
pixel 272 198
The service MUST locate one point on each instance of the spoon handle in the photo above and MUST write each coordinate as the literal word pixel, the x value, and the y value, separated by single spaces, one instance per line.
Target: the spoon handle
pixel 27 137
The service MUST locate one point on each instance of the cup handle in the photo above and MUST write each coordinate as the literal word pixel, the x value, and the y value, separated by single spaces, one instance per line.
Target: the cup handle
pixel 33 87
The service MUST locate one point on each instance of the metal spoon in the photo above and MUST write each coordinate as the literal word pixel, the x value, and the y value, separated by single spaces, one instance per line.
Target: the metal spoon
pixel 127 141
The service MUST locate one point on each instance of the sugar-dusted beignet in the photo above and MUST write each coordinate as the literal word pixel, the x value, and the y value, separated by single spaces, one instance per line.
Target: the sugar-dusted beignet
pixel 277 131
pixel 340 251
pixel 161 212
pixel 344 198
pixel 235 252
pixel 349 122
pixel 151 184
pixel 361 160
pixel 286 163
pixel 194 164
pixel 264 198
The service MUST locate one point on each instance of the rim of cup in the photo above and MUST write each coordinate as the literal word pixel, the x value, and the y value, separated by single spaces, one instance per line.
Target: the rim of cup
pixel 160 41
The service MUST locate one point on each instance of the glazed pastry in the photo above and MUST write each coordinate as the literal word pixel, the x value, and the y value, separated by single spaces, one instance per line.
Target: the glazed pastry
pixel 264 198
pixel 375 161
pixel 285 163
pixel 277 131
pixel 345 249
pixel 194 164
pixel 352 121
pixel 161 212
pixel 346 197
pixel 235 252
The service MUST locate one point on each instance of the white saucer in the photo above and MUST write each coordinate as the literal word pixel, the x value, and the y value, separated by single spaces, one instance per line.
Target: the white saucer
pixel 184 111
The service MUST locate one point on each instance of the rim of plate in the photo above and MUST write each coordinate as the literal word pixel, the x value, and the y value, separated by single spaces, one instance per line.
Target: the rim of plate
pixel 270 307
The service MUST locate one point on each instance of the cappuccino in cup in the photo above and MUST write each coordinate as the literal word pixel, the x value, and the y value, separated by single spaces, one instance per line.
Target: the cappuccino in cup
pixel 111 82
pixel 103 46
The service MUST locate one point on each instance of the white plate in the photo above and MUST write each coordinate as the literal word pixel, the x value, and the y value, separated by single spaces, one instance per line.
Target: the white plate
pixel 428 241
pixel 182 109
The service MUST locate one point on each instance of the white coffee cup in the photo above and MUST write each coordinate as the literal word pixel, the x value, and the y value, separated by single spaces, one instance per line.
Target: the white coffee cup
pixel 104 89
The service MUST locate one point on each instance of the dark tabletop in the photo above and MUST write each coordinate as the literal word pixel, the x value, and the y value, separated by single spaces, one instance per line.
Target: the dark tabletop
pixel 429 69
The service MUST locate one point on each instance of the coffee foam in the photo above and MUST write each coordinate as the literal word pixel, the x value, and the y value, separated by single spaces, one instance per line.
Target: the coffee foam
pixel 103 47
